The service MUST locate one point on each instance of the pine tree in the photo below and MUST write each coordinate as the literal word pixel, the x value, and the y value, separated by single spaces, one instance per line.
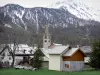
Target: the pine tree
pixel 38 58
pixel 95 56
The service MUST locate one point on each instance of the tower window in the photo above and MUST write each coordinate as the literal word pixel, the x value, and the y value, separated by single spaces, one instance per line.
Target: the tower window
pixel 45 40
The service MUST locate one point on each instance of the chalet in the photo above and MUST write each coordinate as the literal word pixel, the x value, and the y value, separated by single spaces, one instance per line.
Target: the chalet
pixel 64 58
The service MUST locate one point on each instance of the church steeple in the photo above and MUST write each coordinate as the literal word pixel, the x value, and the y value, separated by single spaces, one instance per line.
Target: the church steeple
pixel 46 37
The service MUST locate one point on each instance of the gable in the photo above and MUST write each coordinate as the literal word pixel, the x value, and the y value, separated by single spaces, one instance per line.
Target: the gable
pixel 77 56
pixel 5 49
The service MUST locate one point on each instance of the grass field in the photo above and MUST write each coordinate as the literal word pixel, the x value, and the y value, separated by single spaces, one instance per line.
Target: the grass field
pixel 44 72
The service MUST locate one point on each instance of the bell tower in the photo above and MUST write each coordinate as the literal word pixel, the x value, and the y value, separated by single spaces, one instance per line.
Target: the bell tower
pixel 46 37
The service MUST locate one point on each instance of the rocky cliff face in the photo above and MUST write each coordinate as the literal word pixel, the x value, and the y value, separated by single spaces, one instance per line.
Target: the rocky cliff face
pixel 15 17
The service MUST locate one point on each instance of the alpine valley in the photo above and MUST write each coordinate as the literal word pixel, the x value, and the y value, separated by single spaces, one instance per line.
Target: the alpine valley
pixel 70 22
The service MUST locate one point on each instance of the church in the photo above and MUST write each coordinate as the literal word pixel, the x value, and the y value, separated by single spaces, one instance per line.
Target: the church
pixel 61 57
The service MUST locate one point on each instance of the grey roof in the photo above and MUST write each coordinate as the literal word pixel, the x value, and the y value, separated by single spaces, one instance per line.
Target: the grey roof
pixel 58 49
pixel 70 52
pixel 86 49
pixel 45 52
pixel 21 48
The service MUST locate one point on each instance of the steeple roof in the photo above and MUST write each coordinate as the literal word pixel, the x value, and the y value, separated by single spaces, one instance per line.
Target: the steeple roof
pixel 46 29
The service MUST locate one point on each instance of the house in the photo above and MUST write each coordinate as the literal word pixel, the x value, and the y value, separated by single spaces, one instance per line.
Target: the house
pixel 87 50
pixel 22 51
pixel 64 58
pixel 61 57
pixel 5 57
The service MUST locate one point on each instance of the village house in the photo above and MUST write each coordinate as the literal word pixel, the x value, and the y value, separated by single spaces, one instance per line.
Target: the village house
pixel 87 50
pixel 22 50
pixel 64 58
pixel 5 57
pixel 61 57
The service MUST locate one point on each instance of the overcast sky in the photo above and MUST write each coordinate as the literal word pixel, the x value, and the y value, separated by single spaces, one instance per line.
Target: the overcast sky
pixel 44 3
pixel 28 3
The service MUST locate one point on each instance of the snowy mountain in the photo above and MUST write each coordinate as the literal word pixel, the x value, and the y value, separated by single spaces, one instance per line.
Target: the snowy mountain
pixel 78 8
pixel 62 23
pixel 13 15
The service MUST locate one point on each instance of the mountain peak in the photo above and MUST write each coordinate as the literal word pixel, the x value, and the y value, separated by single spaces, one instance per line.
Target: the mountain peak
pixel 13 6
pixel 16 18
pixel 78 8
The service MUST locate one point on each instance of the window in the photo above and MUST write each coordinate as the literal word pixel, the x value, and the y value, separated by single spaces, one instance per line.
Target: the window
pixel 2 57
pixel 31 51
pixel 3 54
pixel 24 51
pixel 67 65
pixel 9 58
pixel 45 40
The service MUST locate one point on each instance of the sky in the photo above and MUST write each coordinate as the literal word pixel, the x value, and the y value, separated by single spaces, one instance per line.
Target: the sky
pixel 44 3
pixel 29 3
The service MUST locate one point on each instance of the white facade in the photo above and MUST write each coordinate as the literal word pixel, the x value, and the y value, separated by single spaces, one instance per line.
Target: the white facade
pixel 54 62
pixel 6 58
pixel 55 57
